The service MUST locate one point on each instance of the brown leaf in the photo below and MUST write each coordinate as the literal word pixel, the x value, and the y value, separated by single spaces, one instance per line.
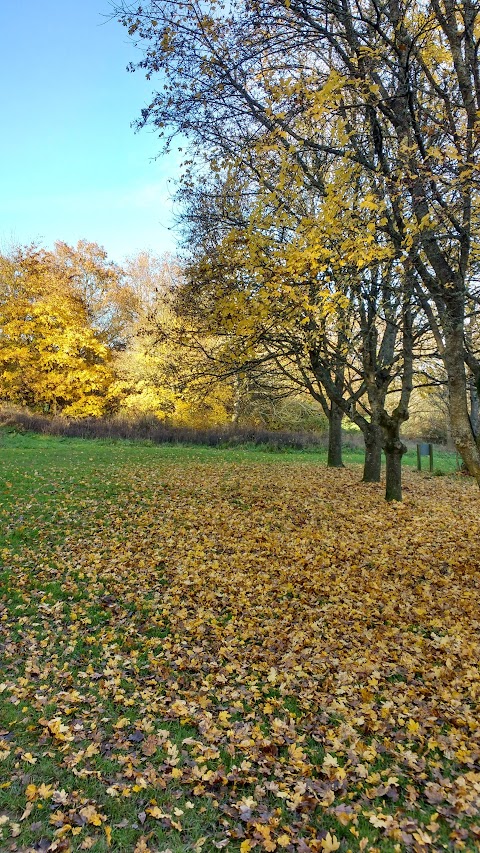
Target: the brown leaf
pixel 149 746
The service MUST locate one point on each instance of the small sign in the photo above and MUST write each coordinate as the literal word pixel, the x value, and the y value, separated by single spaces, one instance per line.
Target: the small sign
pixel 424 449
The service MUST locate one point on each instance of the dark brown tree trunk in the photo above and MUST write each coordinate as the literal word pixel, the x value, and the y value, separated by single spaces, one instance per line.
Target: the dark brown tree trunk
pixel 474 407
pixel 372 468
pixel 461 426
pixel 334 457
pixel 394 449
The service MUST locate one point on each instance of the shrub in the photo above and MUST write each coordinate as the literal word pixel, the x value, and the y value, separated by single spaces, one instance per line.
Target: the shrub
pixel 150 428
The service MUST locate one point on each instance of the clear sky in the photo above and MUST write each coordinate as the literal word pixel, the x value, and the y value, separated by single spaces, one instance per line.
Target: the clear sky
pixel 71 166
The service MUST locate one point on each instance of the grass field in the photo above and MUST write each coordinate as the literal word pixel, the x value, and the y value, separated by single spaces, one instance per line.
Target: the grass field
pixel 206 649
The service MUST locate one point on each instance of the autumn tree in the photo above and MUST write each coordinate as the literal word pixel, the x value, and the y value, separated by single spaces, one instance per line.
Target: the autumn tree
pixel 150 373
pixel 391 88
pixel 149 276
pixel 50 357
pixel 111 303
pixel 146 370
pixel 274 286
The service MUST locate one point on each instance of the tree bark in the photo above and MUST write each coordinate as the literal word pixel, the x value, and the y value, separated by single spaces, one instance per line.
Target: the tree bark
pixel 373 454
pixel 474 407
pixel 334 457
pixel 461 426
pixel 394 449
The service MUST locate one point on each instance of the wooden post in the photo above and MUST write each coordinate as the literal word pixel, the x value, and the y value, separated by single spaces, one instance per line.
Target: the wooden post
pixel 425 449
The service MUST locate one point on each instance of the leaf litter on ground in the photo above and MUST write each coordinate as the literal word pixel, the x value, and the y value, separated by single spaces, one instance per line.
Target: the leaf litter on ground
pixel 212 655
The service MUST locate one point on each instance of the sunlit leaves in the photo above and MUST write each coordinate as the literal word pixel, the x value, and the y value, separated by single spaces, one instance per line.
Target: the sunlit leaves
pixel 50 356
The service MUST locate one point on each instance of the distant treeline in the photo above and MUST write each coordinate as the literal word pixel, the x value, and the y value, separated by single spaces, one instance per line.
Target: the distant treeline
pixel 152 429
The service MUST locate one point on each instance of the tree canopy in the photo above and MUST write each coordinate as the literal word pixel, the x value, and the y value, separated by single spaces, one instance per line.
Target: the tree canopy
pixel 301 96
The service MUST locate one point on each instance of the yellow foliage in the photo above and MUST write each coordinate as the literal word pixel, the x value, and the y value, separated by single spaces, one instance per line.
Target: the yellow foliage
pixel 50 358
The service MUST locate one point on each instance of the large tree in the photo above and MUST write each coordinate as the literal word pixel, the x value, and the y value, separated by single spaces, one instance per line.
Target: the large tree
pixel 393 88
pixel 292 298
pixel 50 357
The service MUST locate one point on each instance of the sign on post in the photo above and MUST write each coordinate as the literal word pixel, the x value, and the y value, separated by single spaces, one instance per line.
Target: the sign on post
pixel 424 449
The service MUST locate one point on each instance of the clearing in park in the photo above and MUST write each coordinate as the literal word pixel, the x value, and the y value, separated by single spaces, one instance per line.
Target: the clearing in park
pixel 206 650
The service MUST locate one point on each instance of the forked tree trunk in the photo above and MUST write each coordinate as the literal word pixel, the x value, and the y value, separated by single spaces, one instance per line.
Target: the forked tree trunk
pixel 372 468
pixel 334 457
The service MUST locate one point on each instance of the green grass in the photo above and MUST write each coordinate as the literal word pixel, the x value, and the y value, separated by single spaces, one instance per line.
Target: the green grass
pixel 57 499
pixel 89 453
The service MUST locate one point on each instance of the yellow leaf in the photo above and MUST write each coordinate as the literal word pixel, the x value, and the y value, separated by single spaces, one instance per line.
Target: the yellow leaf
pixel 224 717
pixel 155 812
pixel 63 830
pixel 45 791
pixel 91 815
pixel 330 843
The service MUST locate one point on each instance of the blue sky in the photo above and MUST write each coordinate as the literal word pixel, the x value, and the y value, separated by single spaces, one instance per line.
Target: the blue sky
pixel 71 166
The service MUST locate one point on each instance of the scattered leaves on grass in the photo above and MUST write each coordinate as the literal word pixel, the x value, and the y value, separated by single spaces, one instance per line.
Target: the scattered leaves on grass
pixel 245 657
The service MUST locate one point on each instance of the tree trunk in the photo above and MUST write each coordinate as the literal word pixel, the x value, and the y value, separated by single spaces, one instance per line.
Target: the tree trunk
pixel 394 449
pixel 373 454
pixel 334 458
pixel 462 432
pixel 238 392
pixel 474 407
